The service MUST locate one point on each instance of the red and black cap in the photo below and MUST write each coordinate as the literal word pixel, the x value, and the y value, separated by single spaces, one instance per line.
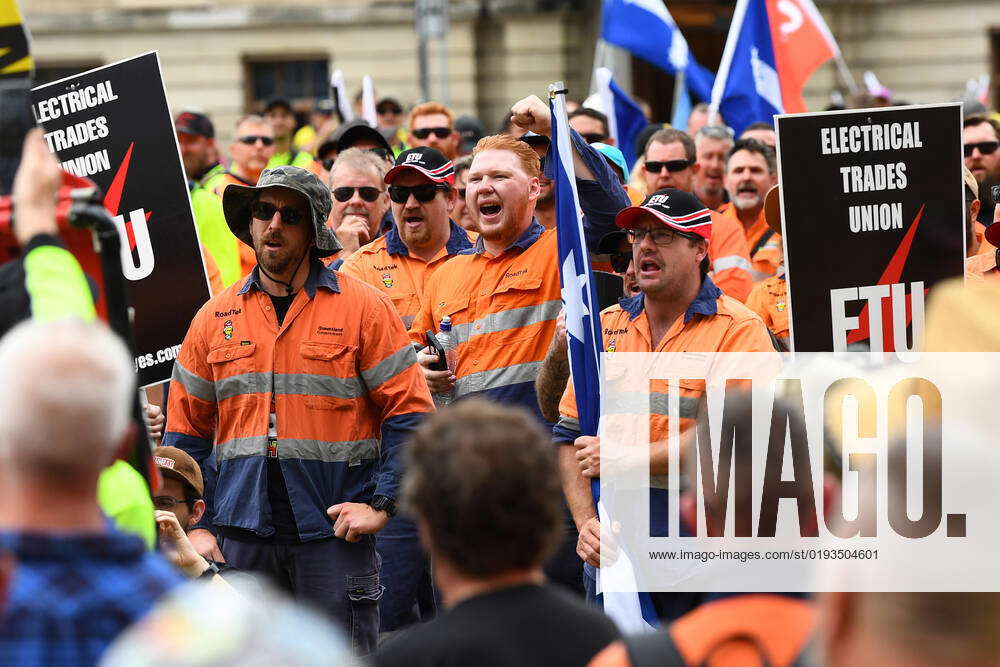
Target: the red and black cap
pixel 192 122
pixel 426 160
pixel 679 210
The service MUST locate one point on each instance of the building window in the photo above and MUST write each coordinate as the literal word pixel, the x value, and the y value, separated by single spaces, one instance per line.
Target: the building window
pixel 301 80
pixel 47 72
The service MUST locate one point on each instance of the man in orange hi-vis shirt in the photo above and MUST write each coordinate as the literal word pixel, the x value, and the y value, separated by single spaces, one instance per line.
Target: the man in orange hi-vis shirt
pixel 751 170
pixel 671 162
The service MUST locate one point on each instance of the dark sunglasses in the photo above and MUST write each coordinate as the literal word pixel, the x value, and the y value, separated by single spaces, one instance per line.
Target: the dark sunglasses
pixel 263 210
pixel 461 192
pixel 673 166
pixel 620 261
pixel 369 194
pixel 439 132
pixel 594 138
pixel 251 139
pixel 423 193
pixel 985 147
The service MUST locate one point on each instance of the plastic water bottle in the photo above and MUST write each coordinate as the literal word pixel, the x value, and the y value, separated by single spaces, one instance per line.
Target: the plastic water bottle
pixel 447 339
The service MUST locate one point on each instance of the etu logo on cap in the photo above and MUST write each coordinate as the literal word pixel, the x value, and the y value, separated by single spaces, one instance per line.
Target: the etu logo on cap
pixel 413 157
pixel 656 200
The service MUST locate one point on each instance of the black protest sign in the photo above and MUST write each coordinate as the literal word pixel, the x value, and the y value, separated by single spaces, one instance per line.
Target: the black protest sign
pixel 113 126
pixel 872 215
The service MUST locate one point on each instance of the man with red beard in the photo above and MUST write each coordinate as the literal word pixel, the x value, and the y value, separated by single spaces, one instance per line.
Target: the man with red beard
pixel 303 384
pixel 751 170
pixel 981 144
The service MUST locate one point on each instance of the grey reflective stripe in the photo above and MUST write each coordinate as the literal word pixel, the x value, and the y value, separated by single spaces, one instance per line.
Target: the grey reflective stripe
pixel 659 403
pixel 298 448
pixel 307 384
pixel 195 385
pixel 759 275
pixel 390 367
pixel 568 423
pixel 731 262
pixel 408 321
pixel 496 378
pixel 515 318
pixel 240 385
pixel 329 452
pixel 241 447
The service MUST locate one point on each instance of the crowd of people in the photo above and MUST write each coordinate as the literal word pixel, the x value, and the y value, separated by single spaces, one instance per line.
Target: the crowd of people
pixel 322 471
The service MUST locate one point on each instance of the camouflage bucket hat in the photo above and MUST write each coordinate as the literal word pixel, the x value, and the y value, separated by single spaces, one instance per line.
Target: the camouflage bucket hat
pixel 238 199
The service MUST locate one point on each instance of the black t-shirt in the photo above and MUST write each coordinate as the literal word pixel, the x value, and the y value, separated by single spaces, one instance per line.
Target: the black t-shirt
pixel 521 626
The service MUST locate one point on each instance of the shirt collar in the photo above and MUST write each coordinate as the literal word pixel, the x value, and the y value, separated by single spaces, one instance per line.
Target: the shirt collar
pixel 525 241
pixel 705 303
pixel 319 276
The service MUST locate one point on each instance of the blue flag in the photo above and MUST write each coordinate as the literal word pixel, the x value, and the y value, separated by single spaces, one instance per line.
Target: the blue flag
pixel 747 88
pixel 625 118
pixel 646 29
pixel 632 612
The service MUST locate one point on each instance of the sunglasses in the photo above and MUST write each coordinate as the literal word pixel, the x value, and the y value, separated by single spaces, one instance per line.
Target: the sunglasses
pixel 423 193
pixel 620 261
pixel 661 236
pixel 263 210
pixel 985 147
pixel 461 192
pixel 251 139
pixel 594 137
pixel 439 132
pixel 673 166
pixel 369 194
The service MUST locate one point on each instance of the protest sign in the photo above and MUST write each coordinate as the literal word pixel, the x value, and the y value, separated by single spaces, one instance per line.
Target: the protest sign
pixel 873 216
pixel 113 126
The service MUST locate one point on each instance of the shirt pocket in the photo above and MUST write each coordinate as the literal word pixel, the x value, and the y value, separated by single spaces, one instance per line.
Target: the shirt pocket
pixel 329 379
pixel 457 308
pixel 233 371
pixel 407 305
pixel 515 307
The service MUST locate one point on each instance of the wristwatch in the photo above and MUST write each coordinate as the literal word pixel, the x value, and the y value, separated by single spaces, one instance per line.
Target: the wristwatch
pixel 384 504
pixel 210 571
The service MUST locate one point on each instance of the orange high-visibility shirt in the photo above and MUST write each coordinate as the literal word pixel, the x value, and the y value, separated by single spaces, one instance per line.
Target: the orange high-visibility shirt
pixel 982 268
pixel 503 310
pixel 769 299
pixel 765 256
pixel 387 265
pixel 731 268
pixel 713 322
pixel 340 376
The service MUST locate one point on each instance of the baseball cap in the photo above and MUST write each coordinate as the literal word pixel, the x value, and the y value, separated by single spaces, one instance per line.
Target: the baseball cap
pixel 613 155
pixel 470 130
pixel 387 105
pixel 178 464
pixel 426 160
pixel 357 130
pixel 326 106
pixel 237 200
pixel 679 210
pixel 772 209
pixel 192 122
pixel 276 102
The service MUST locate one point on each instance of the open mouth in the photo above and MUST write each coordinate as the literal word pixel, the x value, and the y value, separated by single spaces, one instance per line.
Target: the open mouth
pixel 413 220
pixel 273 245
pixel 648 266
pixel 490 211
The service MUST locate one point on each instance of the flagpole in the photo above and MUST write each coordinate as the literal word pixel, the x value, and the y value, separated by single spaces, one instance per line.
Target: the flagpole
pixel 727 60
pixel 680 89
pixel 845 73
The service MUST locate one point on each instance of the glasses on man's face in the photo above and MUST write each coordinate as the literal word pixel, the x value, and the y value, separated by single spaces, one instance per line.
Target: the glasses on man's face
pixel 263 210
pixel 620 261
pixel 461 192
pixel 439 132
pixel 594 137
pixel 167 503
pixel 660 235
pixel 381 152
pixel 673 166
pixel 985 148
pixel 369 194
pixel 423 193
pixel 251 139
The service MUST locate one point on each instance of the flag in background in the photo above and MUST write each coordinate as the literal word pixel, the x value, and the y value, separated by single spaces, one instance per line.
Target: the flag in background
pixel 802 42
pixel 632 612
pixel 625 117
pixel 368 101
pixel 772 49
pixel 339 91
pixel 646 29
